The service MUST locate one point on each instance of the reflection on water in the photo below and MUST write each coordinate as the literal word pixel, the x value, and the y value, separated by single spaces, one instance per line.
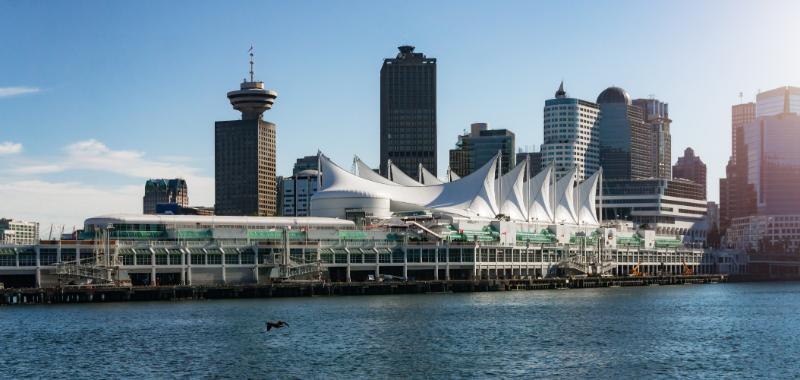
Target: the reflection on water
pixel 724 330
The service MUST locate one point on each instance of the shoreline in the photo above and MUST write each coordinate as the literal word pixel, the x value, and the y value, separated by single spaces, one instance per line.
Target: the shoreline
pixel 104 294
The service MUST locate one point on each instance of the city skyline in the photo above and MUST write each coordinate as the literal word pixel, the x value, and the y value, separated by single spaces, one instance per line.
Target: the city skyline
pixel 114 117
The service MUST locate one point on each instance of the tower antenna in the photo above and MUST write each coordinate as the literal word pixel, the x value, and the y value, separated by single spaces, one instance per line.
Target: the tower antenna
pixel 251 63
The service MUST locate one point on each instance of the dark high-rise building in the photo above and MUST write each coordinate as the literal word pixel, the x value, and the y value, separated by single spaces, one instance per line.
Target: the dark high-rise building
pixel 475 149
pixel 408 112
pixel 164 191
pixel 736 196
pixel 625 141
pixel 244 156
pixel 691 167
pixel 657 121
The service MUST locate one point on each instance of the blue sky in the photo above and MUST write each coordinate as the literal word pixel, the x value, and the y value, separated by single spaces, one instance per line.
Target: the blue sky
pixel 97 96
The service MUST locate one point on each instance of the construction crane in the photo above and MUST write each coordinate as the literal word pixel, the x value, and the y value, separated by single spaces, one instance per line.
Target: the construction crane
pixel 635 271
pixel 687 270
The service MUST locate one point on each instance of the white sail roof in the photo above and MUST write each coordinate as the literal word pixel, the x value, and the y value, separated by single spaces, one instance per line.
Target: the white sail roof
pixel 473 195
pixel 397 176
pixel 511 198
pixel 564 206
pixel 585 195
pixel 539 202
pixel 452 176
pixel 364 171
pixel 427 177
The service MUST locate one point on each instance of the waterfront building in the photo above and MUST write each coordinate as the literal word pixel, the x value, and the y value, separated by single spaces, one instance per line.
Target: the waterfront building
pixel 245 154
pixel 534 160
pixel 736 195
pixel 480 146
pixel 203 250
pixel 571 135
pixel 657 121
pixel 671 207
pixel 305 163
pixel 164 191
pixel 297 192
pixel 18 232
pixel 408 112
pixel 691 167
pixel 625 141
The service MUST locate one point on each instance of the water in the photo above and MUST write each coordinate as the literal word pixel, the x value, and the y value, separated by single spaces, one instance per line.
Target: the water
pixel 699 331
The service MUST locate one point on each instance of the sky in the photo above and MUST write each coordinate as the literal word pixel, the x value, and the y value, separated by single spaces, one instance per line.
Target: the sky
pixel 98 96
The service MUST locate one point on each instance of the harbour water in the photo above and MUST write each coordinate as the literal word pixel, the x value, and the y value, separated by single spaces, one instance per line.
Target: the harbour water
pixel 699 331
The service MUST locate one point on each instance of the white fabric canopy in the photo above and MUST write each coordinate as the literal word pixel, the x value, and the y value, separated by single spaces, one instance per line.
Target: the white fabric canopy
pixel 565 208
pixel 585 199
pixel 471 196
pixel 428 178
pixel 511 196
pixel 397 176
pixel 476 195
pixel 539 201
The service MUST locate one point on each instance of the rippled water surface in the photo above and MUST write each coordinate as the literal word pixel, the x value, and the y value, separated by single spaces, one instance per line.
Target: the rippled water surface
pixel 701 331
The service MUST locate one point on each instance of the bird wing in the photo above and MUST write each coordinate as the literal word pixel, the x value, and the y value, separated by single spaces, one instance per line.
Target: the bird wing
pixel 269 326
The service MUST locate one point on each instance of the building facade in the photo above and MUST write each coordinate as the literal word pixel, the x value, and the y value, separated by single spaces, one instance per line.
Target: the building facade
pixel 297 192
pixel 625 141
pixel 18 232
pixel 480 146
pixel 671 207
pixel 534 162
pixel 164 191
pixel 736 195
pixel 245 154
pixel 773 163
pixel 571 135
pixel 656 118
pixel 691 167
pixel 408 112
pixel 781 100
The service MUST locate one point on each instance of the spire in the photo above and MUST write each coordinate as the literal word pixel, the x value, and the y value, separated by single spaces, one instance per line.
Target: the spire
pixel 251 63
pixel 561 93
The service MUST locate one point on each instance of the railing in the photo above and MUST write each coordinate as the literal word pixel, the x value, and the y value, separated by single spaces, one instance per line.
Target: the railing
pixel 84 271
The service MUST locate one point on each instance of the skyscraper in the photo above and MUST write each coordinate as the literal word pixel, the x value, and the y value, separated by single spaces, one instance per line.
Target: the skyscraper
pixel 625 142
pixel 691 167
pixel 657 121
pixel 475 149
pixel 408 112
pixel 736 195
pixel 571 135
pixel 244 156
pixel 164 191
pixel 773 162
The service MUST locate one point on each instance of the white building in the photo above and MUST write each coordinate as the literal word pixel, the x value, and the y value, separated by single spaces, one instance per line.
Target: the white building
pixel 18 232
pixel 571 135
pixel 297 192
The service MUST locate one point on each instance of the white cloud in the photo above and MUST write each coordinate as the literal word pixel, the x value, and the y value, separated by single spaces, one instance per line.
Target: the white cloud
pixel 66 203
pixel 8 147
pixel 38 199
pixel 14 91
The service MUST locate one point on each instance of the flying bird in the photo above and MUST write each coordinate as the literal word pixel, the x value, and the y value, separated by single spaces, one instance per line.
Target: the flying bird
pixel 277 324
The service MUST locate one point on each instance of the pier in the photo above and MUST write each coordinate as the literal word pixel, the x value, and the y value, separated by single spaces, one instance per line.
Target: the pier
pixel 93 294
